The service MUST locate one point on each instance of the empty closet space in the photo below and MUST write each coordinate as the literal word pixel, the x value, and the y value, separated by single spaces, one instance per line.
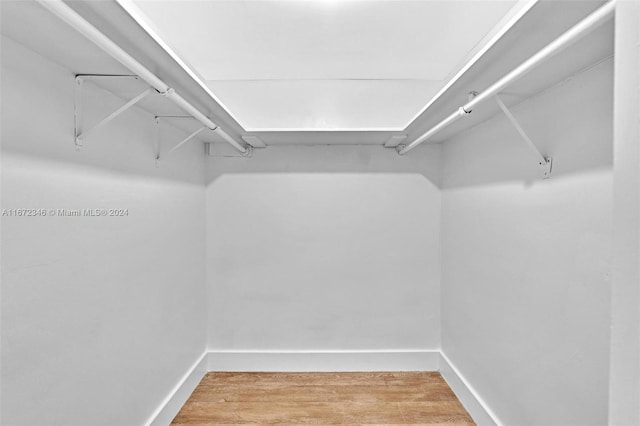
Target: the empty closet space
pixel 320 212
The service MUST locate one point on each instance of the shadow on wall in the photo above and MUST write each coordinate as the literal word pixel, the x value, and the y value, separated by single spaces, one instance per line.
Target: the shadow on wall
pixel 347 159
pixel 571 122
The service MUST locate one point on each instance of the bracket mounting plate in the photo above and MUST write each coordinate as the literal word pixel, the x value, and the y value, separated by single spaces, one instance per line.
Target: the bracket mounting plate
pixel 208 149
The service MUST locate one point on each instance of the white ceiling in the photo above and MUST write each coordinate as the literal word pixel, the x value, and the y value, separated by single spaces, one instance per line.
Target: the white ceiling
pixel 325 64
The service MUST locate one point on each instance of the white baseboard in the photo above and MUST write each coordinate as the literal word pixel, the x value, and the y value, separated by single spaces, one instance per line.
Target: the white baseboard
pixel 172 404
pixel 477 408
pixel 327 361
pixel 324 361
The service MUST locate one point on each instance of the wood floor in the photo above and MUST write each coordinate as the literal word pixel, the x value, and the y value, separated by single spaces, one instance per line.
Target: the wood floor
pixel 323 398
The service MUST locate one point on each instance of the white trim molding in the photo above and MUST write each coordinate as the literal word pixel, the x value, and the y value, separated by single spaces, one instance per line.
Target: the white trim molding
pixel 470 399
pixel 324 361
pixel 172 404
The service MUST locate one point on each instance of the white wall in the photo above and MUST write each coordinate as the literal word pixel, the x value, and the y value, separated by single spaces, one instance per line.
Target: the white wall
pixel 324 248
pixel 526 262
pixel 101 316
pixel 624 387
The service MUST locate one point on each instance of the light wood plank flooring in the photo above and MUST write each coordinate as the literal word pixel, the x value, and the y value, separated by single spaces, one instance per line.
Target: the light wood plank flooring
pixel 397 398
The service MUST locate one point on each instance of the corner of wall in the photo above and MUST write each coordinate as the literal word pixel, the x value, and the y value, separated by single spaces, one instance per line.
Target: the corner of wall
pixel 171 405
pixel 470 399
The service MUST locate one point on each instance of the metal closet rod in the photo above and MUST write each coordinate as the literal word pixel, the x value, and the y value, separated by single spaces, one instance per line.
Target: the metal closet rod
pixel 64 12
pixel 580 29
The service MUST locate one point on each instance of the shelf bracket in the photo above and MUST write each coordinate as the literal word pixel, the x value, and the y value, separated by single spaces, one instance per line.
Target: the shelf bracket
pixel 545 163
pixel 178 145
pixel 82 134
